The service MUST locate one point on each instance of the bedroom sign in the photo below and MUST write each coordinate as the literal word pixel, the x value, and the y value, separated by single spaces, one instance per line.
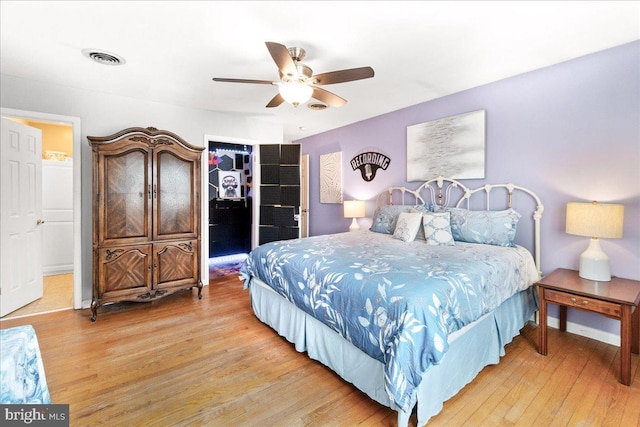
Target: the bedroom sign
pixel 452 147
pixel 369 162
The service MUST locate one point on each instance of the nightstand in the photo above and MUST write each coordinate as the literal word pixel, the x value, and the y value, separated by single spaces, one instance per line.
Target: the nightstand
pixel 617 299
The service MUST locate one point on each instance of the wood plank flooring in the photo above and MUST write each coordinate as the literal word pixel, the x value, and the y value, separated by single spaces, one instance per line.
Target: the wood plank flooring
pixel 57 295
pixel 181 361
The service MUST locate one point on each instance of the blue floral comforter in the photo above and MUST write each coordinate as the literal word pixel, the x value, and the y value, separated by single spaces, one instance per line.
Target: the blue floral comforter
pixel 21 368
pixel 394 300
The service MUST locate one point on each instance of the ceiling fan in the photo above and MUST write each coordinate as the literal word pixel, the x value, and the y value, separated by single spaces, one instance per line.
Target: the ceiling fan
pixel 297 83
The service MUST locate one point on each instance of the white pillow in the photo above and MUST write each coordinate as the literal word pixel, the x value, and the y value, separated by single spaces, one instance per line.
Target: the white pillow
pixel 437 228
pixel 407 226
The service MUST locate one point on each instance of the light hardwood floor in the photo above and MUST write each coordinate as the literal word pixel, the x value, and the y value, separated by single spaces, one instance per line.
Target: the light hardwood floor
pixel 184 362
pixel 57 295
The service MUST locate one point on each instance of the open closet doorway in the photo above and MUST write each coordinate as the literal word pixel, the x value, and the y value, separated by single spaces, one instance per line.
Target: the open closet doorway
pixel 230 210
pixel 61 216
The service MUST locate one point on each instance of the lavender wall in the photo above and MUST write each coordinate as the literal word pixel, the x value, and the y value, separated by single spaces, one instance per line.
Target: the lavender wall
pixel 570 132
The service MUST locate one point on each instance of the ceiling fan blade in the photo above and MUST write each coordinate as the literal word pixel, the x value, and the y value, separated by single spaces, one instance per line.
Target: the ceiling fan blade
pixel 328 97
pixel 275 101
pixel 343 76
pixel 283 60
pixel 262 82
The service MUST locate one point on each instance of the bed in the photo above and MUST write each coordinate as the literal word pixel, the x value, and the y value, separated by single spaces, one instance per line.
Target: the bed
pixel 408 314
pixel 22 374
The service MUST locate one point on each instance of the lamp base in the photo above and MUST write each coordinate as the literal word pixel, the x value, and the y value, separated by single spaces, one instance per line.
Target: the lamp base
pixel 354 225
pixel 594 263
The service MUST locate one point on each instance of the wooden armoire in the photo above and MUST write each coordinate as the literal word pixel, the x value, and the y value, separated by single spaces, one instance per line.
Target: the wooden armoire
pixel 146 216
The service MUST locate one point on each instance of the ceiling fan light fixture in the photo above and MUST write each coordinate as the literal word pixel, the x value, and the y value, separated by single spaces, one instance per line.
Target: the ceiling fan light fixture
pixel 295 92
pixel 298 83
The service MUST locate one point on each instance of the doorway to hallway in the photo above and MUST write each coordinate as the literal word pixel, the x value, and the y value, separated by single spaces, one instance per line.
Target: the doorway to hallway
pixel 230 223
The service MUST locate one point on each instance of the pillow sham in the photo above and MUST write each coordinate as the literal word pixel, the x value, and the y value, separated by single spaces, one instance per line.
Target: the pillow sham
pixel 489 227
pixel 407 226
pixel 385 217
pixel 437 228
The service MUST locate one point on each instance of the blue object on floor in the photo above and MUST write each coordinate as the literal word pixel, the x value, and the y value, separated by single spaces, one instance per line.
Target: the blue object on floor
pixel 21 369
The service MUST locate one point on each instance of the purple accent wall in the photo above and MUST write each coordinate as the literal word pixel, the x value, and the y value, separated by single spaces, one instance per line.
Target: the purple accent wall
pixel 570 132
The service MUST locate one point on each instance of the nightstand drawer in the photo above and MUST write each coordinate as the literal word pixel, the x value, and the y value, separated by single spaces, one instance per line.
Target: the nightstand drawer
pixel 585 303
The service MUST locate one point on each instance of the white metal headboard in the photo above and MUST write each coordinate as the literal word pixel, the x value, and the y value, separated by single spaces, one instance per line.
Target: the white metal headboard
pixel 450 192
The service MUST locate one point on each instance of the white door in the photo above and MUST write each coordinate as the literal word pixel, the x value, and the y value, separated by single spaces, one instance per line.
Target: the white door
pixel 20 216
pixel 304 196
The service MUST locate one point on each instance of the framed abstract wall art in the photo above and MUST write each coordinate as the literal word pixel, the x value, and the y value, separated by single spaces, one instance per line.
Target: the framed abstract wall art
pixel 453 147
pixel 331 177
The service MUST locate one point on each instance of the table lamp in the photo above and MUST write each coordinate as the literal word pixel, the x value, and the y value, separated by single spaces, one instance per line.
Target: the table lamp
pixel 595 220
pixel 354 209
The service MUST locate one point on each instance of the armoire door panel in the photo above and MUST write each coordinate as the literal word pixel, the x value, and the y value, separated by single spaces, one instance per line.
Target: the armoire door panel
pixel 123 270
pixel 175 263
pixel 174 196
pixel 125 189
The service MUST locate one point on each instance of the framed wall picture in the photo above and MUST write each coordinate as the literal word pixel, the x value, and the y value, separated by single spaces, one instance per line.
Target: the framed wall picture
pixel 229 185
pixel 331 177
pixel 453 147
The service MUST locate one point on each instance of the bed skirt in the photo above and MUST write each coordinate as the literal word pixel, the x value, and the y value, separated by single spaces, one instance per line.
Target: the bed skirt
pixel 470 349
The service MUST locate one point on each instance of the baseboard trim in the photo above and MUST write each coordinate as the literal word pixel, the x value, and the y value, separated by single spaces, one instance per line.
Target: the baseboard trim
pixel 586 331
pixel 55 271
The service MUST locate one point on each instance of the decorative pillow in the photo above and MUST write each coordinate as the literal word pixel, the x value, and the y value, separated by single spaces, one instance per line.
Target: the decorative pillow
pixel 428 207
pixel 407 226
pixel 385 217
pixel 437 228
pixel 421 210
pixel 488 227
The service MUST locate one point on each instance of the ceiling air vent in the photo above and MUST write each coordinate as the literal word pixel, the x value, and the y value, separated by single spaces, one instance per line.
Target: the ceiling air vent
pixel 102 57
pixel 317 106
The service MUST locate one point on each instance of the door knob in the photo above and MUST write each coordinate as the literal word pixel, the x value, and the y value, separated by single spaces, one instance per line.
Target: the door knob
pixel 39 222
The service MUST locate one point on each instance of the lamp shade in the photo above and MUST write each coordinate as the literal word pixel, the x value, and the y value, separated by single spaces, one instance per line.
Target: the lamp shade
pixel 354 208
pixel 595 219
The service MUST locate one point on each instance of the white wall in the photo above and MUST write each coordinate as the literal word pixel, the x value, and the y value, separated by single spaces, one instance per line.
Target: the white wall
pixel 104 114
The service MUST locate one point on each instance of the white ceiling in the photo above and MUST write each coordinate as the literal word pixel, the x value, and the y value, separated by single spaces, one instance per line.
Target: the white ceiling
pixel 419 50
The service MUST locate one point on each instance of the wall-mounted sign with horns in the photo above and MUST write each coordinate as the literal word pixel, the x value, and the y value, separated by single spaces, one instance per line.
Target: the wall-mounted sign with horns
pixel 368 162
